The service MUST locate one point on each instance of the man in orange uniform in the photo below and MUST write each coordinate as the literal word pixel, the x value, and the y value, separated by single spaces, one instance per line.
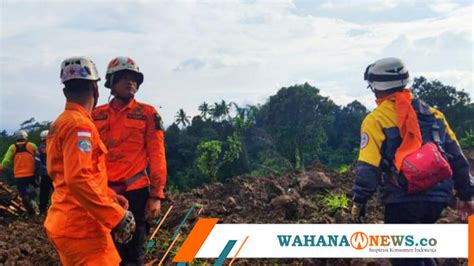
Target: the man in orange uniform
pixel 133 133
pixel 22 154
pixel 83 209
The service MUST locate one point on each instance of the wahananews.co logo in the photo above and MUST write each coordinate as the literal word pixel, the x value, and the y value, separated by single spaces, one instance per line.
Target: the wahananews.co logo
pixel 362 241
pixel 392 243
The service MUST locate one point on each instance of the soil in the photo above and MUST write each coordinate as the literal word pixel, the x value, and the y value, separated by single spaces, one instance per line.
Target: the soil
pixel 290 198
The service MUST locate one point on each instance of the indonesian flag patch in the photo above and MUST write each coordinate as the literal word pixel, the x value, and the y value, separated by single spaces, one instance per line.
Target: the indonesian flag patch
pixel 84 136
pixel 84 132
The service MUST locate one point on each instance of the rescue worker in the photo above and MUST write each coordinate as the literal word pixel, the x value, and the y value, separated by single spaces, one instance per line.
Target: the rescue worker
pixel 22 154
pixel 83 208
pixel 46 185
pixel 399 126
pixel 133 133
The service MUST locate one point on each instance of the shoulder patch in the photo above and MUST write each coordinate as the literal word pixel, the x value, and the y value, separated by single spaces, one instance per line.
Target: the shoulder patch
pixel 364 140
pixel 84 145
pixel 84 132
pixel 158 122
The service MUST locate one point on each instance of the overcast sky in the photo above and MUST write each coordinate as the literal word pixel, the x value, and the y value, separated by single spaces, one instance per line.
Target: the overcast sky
pixel 241 51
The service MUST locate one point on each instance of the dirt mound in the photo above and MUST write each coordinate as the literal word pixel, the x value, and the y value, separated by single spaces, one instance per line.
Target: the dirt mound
pixel 23 242
pixel 314 196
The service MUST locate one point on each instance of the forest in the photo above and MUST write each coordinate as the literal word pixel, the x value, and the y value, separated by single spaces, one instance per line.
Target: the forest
pixel 290 131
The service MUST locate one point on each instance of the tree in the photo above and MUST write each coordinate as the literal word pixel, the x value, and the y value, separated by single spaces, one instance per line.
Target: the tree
pixel 343 135
pixel 439 95
pixel 211 158
pixel 182 118
pixel 456 105
pixel 296 118
pixel 220 111
pixel 204 109
pixel 30 125
pixel 208 159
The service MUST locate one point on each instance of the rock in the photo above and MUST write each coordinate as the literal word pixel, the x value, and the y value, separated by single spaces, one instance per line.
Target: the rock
pixel 231 202
pixel 280 201
pixel 312 182
pixel 273 189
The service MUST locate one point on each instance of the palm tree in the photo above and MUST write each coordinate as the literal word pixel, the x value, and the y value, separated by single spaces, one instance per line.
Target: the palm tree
pixel 225 109
pixel 220 111
pixel 182 118
pixel 241 112
pixel 205 110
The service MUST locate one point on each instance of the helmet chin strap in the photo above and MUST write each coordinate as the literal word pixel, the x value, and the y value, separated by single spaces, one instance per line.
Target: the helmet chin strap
pixel 124 99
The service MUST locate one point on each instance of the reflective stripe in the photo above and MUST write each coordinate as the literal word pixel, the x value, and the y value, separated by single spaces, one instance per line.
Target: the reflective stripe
pixel 134 178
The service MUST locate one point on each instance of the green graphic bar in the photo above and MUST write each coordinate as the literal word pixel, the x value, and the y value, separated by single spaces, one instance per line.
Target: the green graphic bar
pixel 225 252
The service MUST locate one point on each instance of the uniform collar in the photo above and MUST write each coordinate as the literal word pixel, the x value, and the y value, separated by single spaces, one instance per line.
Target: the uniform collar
pixel 130 105
pixel 77 107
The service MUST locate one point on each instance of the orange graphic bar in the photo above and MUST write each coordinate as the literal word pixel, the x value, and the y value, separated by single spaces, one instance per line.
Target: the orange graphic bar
pixel 195 240
pixel 238 251
pixel 161 222
pixel 167 251
pixel 470 229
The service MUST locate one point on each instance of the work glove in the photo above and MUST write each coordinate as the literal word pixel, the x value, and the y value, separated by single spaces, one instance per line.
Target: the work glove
pixel 123 232
pixel 465 209
pixel 359 212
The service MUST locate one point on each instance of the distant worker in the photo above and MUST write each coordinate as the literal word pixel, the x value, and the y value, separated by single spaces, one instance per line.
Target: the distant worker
pixel 22 154
pixel 46 185
pixel 134 135
pixel 83 208
pixel 410 153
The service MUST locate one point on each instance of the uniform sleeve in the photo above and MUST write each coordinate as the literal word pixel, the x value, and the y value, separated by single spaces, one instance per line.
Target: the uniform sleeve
pixel 7 160
pixel 368 171
pixel 35 148
pixel 79 177
pixel 155 146
pixel 463 181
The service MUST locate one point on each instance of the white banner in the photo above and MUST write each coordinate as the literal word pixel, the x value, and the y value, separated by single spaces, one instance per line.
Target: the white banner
pixel 338 240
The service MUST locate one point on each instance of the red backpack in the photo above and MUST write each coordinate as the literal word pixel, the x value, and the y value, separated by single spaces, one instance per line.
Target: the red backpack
pixel 427 166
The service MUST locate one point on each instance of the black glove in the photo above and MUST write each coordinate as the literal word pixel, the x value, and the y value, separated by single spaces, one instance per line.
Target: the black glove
pixel 123 232
pixel 359 212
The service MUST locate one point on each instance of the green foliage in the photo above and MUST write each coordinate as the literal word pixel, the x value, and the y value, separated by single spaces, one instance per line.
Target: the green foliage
pixel 211 158
pixel 333 203
pixel 290 131
pixel 343 169
pixel 456 105
pixel 467 142
pixel 208 159
pixel 296 118
pixel 234 147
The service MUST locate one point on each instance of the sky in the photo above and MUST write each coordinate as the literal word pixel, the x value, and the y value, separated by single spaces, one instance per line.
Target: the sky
pixel 240 51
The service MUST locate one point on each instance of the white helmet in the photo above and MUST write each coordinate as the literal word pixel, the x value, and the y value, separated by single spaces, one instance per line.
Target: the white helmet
pixel 78 68
pixel 21 135
pixel 44 134
pixel 386 74
pixel 122 63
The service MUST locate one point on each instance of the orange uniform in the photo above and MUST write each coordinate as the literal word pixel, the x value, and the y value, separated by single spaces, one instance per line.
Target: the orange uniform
pixel 134 137
pixel 82 205
pixel 23 161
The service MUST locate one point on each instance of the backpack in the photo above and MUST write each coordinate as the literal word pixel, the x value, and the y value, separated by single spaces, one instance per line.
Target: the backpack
pixel 21 149
pixel 427 166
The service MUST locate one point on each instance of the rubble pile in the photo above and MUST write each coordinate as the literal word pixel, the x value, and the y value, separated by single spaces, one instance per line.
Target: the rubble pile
pixel 317 195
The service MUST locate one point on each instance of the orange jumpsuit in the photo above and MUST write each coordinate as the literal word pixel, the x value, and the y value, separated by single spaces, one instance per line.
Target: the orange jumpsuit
pixel 134 137
pixel 82 211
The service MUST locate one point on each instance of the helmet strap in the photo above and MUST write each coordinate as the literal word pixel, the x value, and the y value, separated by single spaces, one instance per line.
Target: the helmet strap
pixel 371 88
